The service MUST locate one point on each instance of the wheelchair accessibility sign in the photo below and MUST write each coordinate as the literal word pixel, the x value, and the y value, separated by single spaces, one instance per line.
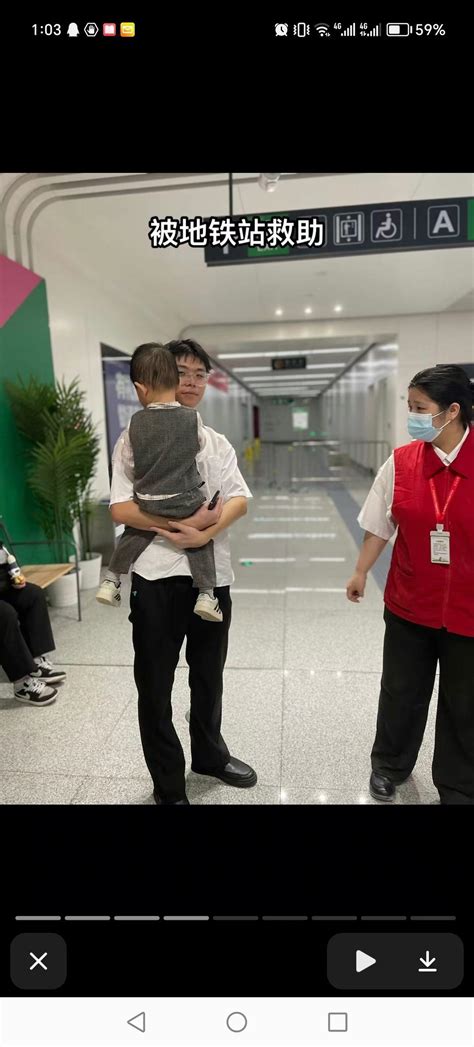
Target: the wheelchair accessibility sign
pixel 386 226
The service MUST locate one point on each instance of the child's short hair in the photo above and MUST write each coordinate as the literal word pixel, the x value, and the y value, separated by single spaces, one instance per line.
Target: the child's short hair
pixel 154 366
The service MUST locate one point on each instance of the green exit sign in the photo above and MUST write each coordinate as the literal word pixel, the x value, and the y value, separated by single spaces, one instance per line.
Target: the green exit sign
pixel 470 220
pixel 267 252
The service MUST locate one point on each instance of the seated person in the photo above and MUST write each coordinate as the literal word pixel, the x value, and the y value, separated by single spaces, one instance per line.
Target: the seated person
pixel 25 636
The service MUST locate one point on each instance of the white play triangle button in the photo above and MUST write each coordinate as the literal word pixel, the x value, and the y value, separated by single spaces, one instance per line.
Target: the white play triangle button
pixel 138 1021
pixel 363 960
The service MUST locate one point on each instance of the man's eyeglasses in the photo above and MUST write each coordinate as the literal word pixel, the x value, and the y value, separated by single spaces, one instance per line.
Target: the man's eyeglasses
pixel 197 377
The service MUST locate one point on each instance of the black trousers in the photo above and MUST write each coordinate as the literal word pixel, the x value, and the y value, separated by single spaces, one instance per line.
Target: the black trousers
pixel 25 630
pixel 410 656
pixel 161 613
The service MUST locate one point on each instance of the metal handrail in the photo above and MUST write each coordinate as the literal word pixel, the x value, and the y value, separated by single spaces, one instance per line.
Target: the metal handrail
pixel 286 462
pixel 356 450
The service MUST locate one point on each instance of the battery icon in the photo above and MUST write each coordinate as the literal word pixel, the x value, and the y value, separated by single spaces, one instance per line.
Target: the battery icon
pixel 399 29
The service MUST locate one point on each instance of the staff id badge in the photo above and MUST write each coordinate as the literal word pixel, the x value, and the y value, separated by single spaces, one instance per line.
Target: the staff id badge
pixel 440 546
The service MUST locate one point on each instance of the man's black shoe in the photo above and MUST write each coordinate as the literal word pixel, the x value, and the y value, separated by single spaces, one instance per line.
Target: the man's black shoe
pixel 168 803
pixel 380 787
pixel 234 773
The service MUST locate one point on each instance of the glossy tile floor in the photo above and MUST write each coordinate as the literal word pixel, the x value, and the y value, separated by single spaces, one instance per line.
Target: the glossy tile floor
pixel 301 682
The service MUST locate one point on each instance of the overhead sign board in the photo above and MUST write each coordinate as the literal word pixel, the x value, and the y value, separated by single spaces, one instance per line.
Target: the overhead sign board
pixel 289 363
pixel 336 232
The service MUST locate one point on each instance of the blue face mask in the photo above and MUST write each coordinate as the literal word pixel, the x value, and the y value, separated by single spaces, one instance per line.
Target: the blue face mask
pixel 421 427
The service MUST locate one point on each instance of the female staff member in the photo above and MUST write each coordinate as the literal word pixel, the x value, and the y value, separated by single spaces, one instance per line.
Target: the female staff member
pixel 426 489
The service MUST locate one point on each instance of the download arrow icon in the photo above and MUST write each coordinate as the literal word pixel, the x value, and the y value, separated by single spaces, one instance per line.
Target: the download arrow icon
pixel 427 964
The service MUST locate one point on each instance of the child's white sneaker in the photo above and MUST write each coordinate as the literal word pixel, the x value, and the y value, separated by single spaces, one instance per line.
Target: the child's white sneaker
pixel 208 607
pixel 109 592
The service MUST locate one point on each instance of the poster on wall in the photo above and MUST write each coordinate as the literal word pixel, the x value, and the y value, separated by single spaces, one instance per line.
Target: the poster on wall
pixel 300 418
pixel 120 398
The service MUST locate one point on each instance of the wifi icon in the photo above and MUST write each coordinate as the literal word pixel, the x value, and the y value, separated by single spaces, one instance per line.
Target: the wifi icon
pixel 322 29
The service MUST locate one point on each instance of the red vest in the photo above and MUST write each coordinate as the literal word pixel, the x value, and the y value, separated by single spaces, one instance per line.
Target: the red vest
pixel 427 593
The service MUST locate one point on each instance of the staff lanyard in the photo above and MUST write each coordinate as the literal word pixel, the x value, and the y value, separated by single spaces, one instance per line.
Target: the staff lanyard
pixel 441 513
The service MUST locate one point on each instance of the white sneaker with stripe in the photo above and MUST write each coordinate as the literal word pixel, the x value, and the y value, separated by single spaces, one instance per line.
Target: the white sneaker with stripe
pixel 109 592
pixel 34 692
pixel 207 607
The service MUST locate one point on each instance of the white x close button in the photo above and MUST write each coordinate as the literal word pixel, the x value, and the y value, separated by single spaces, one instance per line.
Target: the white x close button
pixel 38 961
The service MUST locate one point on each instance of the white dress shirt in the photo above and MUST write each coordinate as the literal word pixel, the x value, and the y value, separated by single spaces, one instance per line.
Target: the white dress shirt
pixel 217 465
pixel 376 513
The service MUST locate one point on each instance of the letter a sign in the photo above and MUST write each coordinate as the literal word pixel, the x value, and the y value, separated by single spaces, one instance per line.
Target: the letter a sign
pixel 443 221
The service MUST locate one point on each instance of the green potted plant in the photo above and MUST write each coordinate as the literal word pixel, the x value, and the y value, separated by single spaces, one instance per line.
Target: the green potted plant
pixel 52 477
pixel 70 407
pixel 62 448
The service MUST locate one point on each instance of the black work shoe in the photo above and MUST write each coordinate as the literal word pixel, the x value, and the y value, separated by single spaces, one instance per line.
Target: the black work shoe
pixel 380 787
pixel 168 803
pixel 234 773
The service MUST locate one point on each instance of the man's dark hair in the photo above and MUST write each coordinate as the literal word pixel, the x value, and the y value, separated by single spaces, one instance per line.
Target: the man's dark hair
pixel 187 347
pixel 154 366
pixel 447 384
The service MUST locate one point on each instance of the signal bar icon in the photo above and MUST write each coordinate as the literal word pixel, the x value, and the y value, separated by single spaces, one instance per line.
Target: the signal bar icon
pixel 350 31
pixel 376 31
